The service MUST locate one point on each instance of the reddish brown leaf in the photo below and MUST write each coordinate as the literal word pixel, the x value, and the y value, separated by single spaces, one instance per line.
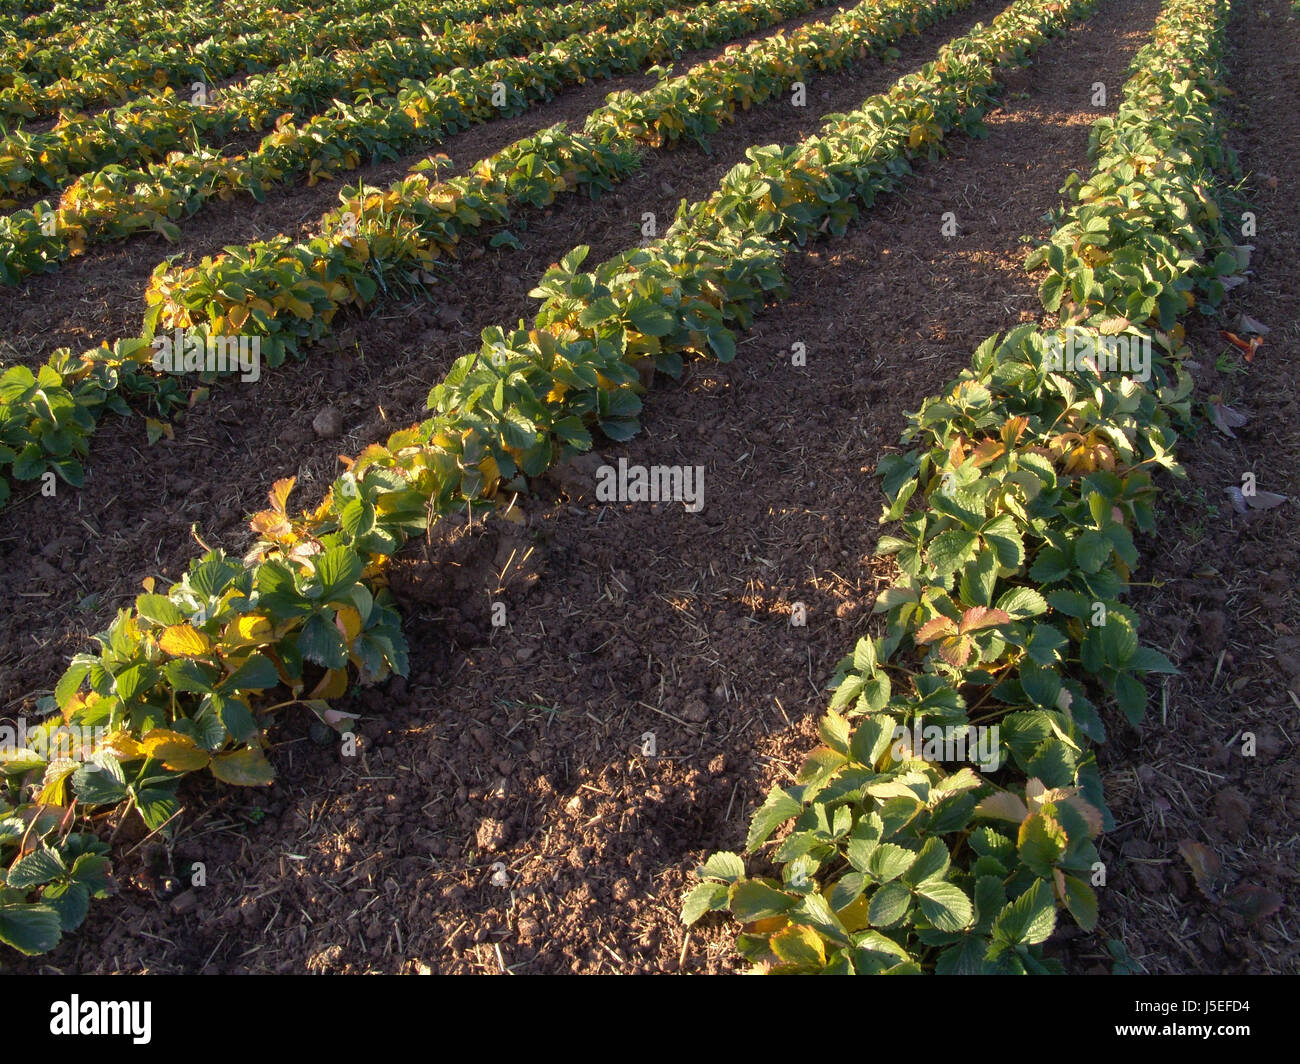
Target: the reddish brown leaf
pixel 955 650
pixel 1252 902
pixel 978 617
pixel 934 629
pixel 1203 862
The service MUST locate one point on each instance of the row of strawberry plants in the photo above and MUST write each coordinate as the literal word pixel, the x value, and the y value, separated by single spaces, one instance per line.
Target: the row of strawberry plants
pixel 46 418
pixel 1018 501
pixel 150 126
pixel 302 46
pixel 65 27
pixel 68 52
pixel 375 234
pixel 117 202
pixel 37 17
pixel 181 681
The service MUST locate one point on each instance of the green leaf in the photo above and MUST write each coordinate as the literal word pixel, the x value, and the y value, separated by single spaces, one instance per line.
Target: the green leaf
pixel 1092 550
pixel 889 861
pixel 70 900
pixel 871 739
pixel 966 958
pixel 779 807
pixel 950 550
pixel 92 870
pixel 931 863
pixel 1131 697
pixel 70 682
pixel 1146 659
pixel 1042 686
pixel 752 900
pixel 101 783
pixel 257 673
pixel 1022 602
pixel 1042 843
pixel 236 718
pixel 704 898
pixel 1027 921
pixel 157 806
pixel 338 569
pixel 864 656
pixel 945 905
pixel 599 310
pixel 834 731
pixel 30 929
pixel 1070 603
pixel 1006 541
pixel 889 904
pixel 38 867
pixel 322 643
pixel 1081 900
pixel 159 610
pixel 723 343
pixel 725 866
pixel 651 319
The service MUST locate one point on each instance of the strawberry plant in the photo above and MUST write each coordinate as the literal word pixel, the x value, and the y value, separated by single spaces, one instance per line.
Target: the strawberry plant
pixel 1018 502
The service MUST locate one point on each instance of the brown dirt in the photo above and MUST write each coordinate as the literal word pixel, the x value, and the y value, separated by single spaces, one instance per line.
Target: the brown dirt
pixel 521 745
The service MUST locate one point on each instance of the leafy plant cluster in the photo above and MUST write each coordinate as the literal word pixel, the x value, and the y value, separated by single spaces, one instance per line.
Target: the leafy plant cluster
pixel 147 127
pixel 83 65
pixel 376 235
pixel 63 21
pixel 1018 502
pixel 116 201
pixel 289 292
pixel 187 680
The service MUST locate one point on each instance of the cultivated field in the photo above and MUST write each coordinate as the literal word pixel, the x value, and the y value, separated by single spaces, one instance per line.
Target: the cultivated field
pixel 649 486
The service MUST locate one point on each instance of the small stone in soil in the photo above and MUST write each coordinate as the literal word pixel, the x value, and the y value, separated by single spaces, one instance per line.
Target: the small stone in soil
pixel 328 423
pixel 491 834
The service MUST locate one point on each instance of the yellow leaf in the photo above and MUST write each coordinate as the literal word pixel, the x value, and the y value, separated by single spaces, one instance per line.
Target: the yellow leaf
pixel 243 768
pixel 799 945
pixel 122 746
pixel 854 915
pixel 348 622
pixel 766 925
pixel 511 512
pixel 54 782
pixel 177 752
pixel 300 307
pixel 334 684
pixel 249 629
pixel 183 641
pixel 279 493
